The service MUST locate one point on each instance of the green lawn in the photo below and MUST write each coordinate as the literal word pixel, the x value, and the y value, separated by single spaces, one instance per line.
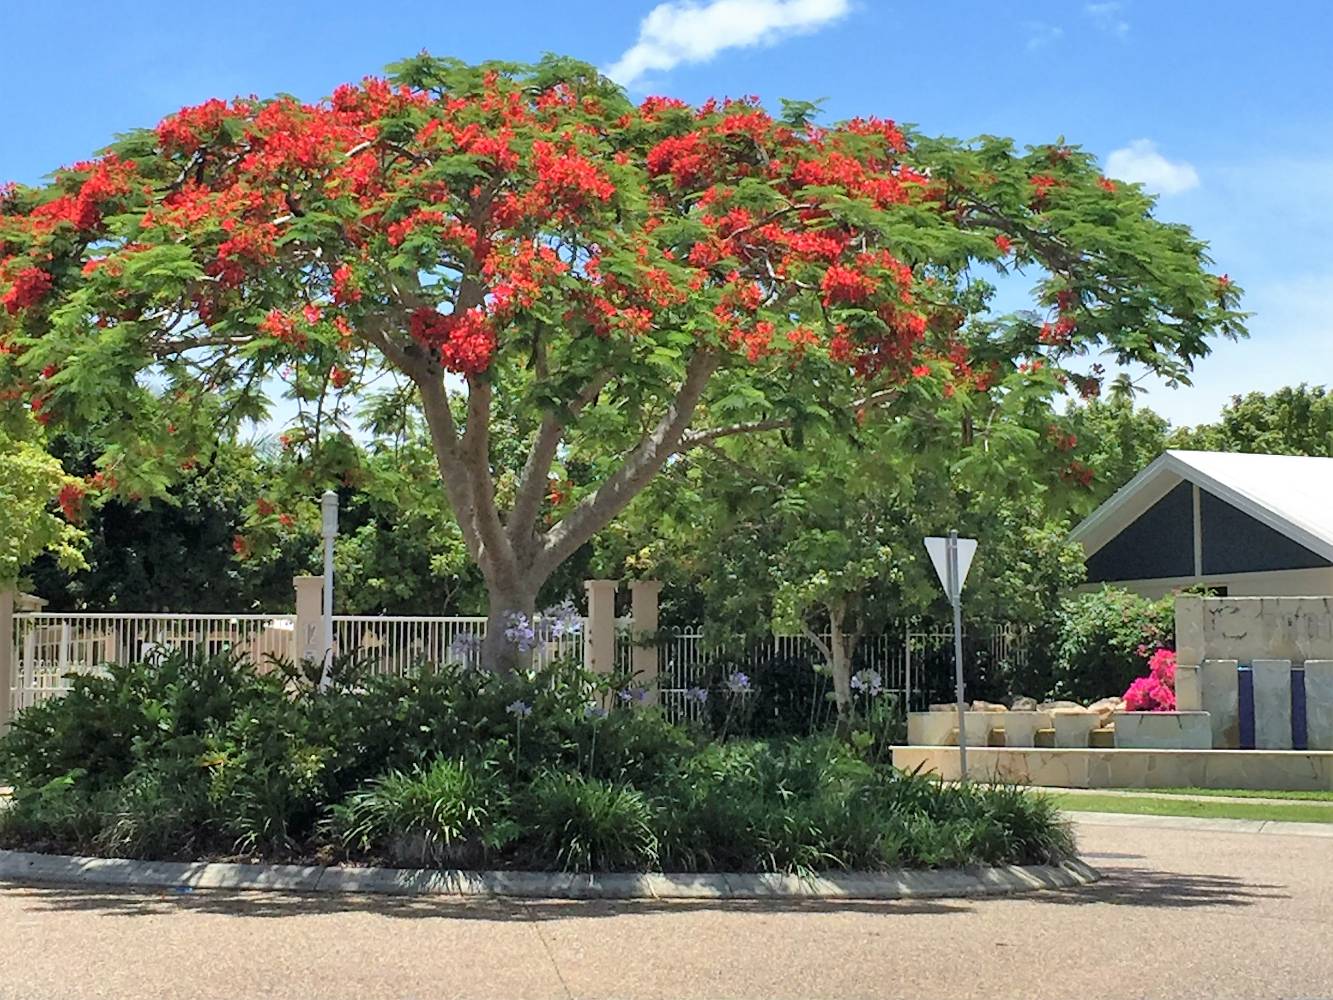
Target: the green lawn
pixel 1295 812
pixel 1241 793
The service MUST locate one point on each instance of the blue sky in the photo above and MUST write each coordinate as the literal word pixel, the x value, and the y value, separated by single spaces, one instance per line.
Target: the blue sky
pixel 1223 107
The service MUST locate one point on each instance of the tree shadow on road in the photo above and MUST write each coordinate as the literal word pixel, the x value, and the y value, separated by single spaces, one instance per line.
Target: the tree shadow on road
pixel 113 901
pixel 1152 887
pixel 1120 886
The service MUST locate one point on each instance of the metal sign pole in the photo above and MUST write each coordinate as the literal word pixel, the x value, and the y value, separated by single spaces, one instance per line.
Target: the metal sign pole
pixel 328 504
pixel 955 589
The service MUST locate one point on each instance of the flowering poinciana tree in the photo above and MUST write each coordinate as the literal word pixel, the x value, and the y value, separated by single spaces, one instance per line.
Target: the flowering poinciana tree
pixel 628 281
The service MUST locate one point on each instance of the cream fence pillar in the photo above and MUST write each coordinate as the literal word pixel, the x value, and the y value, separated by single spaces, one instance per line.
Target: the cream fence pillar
pixel 309 618
pixel 643 597
pixel 599 641
pixel 1190 652
pixel 7 665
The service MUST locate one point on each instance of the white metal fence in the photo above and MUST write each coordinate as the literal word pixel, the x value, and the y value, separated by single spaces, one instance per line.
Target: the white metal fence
pixel 906 657
pixel 49 646
pixel 400 644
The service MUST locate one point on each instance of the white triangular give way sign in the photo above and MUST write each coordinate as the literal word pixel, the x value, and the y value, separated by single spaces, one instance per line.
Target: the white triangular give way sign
pixel 939 555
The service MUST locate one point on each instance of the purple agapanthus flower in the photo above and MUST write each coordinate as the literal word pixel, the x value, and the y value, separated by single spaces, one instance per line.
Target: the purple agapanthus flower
pixel 465 644
pixel 868 682
pixel 519 631
pixel 696 694
pixel 519 709
pixel 593 711
pixel 561 620
pixel 738 683
pixel 629 694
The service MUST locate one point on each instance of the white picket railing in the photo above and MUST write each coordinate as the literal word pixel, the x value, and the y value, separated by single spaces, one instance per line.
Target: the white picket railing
pixel 49 646
pixel 899 655
pixel 400 644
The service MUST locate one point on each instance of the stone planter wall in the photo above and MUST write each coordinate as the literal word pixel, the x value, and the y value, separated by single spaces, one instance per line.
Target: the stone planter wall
pixel 1163 731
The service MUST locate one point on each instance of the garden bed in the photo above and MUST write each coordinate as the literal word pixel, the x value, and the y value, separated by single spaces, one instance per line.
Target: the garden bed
pixel 181 760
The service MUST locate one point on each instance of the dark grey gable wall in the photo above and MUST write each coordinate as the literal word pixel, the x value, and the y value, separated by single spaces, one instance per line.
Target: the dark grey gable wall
pixel 1234 542
pixel 1159 543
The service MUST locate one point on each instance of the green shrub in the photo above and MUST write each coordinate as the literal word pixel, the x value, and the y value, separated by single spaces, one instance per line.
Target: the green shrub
pixel 452 812
pixel 189 757
pixel 585 824
pixel 160 810
pixel 1104 639
pixel 60 814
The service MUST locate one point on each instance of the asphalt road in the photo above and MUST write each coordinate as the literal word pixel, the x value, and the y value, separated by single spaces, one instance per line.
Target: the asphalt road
pixel 1182 913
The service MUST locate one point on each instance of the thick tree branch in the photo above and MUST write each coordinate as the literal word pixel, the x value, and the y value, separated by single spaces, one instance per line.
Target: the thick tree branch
pixel 444 439
pixel 497 555
pixel 597 509
pixel 818 642
pixel 521 523
pixel 704 438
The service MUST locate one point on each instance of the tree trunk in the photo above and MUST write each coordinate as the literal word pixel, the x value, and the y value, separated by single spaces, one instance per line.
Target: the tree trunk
pixel 841 664
pixel 509 610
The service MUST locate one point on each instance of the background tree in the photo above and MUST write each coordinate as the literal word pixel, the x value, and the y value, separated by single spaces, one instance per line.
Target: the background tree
pixel 1109 442
pixel 636 281
pixel 823 537
pixel 32 483
pixel 185 550
pixel 1292 421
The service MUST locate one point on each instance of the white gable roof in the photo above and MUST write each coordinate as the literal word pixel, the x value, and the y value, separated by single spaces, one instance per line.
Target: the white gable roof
pixel 1292 494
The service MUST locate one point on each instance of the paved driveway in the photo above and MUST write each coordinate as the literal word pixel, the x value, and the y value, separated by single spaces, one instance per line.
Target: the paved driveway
pixel 1183 912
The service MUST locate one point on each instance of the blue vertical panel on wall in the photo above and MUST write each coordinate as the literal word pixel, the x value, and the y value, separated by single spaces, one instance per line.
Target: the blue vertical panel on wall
pixel 1245 691
pixel 1298 734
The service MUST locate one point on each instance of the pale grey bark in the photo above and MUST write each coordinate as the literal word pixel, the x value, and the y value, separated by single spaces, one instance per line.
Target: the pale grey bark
pixel 596 510
pixel 514 558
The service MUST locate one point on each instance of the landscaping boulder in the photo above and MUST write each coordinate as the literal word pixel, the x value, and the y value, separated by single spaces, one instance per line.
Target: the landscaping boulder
pixel 988 706
pixel 1051 706
pixel 1107 707
pixel 1023 704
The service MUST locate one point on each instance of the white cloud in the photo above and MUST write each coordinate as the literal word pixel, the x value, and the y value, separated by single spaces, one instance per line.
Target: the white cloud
pixel 690 32
pixel 1041 34
pixel 1108 17
pixel 1140 162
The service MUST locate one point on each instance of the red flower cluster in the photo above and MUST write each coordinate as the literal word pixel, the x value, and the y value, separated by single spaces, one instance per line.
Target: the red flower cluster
pixel 567 180
pixel 70 500
pixel 518 281
pixel 28 288
pixel 345 289
pixel 1041 187
pixel 843 284
pixel 685 157
pixel 1078 474
pixel 278 325
pixel 108 178
pixel 465 343
pixel 190 128
pixel 1063 440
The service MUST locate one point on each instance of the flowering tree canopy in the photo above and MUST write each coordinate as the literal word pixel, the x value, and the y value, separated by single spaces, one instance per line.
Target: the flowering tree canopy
pixel 630 281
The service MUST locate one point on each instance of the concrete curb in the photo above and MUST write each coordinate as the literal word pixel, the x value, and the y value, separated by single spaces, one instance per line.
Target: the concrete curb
pixel 1272 827
pixel 57 869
